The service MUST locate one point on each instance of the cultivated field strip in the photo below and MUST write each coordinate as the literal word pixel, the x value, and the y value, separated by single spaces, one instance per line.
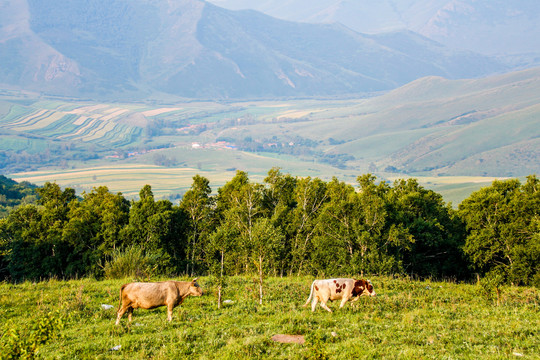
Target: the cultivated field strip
pixel 100 123
pixel 124 178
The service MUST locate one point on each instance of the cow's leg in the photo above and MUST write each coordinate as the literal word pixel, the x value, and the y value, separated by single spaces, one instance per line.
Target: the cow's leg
pixel 130 313
pixel 120 313
pixel 314 303
pixel 323 304
pixel 343 302
pixel 170 308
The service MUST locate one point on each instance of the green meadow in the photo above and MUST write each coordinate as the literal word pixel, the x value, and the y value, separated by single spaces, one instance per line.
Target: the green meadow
pixel 409 319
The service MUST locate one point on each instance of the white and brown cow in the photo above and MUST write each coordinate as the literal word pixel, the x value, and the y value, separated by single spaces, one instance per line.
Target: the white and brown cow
pixel 335 289
pixel 152 295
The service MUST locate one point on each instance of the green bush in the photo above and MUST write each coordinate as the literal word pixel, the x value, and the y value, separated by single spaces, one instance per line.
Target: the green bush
pixel 25 343
pixel 134 262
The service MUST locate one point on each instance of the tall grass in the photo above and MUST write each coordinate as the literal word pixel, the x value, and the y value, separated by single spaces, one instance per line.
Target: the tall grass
pixel 407 320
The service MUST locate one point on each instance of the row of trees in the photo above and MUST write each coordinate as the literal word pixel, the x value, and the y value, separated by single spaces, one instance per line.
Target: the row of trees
pixel 284 226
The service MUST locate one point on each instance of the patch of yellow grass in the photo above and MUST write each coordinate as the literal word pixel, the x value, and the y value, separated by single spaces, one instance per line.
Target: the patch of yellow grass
pixel 46 121
pixel 29 118
pixel 80 120
pixel 450 179
pixel 295 114
pixel 114 114
pixel 87 109
pixel 159 111
pixel 100 131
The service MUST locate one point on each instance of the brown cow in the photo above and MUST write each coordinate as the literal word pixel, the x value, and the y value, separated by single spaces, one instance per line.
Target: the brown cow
pixel 153 295
pixel 335 289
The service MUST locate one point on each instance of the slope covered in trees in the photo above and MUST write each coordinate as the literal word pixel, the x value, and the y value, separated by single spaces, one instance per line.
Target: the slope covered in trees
pixel 284 226
pixel 13 194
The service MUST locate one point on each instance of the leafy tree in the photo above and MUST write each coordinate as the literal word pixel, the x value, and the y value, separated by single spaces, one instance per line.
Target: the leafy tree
pixel 278 195
pixel 156 225
pixel 22 246
pixel 54 216
pixel 354 235
pixel 198 205
pixel 219 255
pixel 266 245
pixel 503 230
pixel 309 195
pixel 228 192
pixel 32 235
pixel 382 242
pixel 239 202
pixel 286 225
pixel 278 205
pixel 147 226
pixel 335 244
pixel 93 229
pixel 434 227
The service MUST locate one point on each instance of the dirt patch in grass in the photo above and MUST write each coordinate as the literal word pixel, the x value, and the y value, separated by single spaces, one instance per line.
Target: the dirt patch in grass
pixel 287 339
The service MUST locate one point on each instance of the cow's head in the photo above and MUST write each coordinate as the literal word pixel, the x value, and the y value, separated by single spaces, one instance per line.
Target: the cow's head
pixel 195 289
pixel 363 287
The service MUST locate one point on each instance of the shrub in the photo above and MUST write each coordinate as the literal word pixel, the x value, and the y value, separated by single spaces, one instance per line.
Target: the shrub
pixel 134 262
pixel 25 343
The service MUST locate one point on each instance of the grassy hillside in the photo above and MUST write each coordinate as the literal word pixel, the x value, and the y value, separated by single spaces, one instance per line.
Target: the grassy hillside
pixel 407 320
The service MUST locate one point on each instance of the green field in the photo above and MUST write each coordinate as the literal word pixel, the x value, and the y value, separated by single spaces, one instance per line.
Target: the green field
pixel 407 320
pixel 130 178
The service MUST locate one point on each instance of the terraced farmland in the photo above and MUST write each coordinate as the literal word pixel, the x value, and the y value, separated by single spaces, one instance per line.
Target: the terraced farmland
pixel 100 124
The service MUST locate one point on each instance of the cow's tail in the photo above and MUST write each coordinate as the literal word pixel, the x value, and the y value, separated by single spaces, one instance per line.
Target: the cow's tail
pixel 310 295
pixel 121 292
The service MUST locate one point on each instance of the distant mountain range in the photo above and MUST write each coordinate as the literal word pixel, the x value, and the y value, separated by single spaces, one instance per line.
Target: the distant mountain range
pixel 491 27
pixel 124 50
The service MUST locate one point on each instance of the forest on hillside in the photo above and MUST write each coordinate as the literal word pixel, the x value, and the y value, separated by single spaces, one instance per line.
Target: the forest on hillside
pixel 285 226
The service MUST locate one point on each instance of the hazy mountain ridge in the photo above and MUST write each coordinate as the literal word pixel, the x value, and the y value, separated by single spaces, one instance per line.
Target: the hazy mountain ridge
pixel 485 26
pixel 190 48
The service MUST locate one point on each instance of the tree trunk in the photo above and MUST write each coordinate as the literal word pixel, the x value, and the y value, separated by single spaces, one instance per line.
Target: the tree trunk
pixel 220 280
pixel 260 280
pixel 192 255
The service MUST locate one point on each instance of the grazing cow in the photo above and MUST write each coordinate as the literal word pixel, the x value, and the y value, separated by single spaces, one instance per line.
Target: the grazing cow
pixel 153 295
pixel 335 289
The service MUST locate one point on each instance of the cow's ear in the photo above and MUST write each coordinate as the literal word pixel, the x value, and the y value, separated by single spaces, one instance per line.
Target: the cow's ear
pixel 195 280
